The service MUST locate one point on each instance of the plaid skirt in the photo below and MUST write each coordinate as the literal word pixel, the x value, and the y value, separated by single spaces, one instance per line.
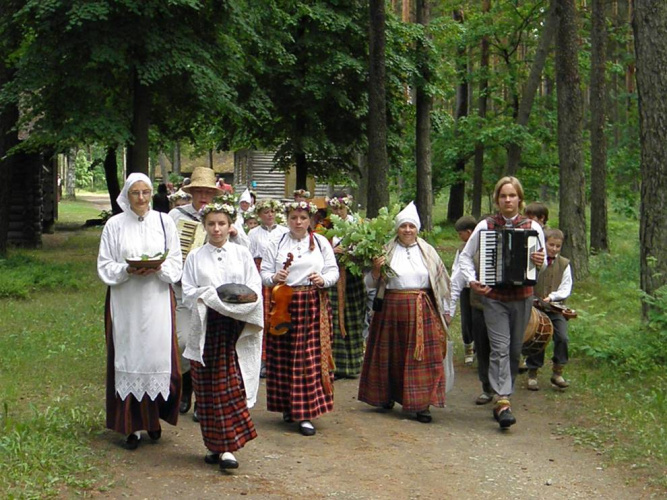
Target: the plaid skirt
pixel 294 362
pixel 348 351
pixel 390 371
pixel 131 415
pixel 222 408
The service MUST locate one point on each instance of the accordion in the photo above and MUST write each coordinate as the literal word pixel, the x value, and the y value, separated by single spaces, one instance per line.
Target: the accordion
pixel 504 257
pixel 191 234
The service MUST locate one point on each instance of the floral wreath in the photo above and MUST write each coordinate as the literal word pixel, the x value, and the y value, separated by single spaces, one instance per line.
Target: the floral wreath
pixel 301 205
pixel 216 207
pixel 251 213
pixel 269 204
pixel 179 195
pixel 302 192
pixel 226 199
pixel 338 201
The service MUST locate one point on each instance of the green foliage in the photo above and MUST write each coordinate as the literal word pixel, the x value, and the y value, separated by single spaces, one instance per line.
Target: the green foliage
pixel 364 239
pixel 23 275
pixel 84 177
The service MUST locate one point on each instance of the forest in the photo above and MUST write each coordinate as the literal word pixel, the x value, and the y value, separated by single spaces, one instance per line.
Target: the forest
pixel 415 99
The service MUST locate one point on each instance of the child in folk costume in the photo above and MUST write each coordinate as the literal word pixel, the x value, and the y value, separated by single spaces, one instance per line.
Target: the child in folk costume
pixel 554 285
pixel 464 227
pixel 506 310
pixel 225 341
pixel 407 343
pixel 299 363
pixel 348 302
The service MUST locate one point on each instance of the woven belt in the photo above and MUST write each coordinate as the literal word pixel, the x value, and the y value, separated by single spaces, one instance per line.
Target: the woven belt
pixel 302 288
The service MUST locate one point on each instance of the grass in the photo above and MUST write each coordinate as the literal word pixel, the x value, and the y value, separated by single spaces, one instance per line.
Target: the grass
pixel 52 364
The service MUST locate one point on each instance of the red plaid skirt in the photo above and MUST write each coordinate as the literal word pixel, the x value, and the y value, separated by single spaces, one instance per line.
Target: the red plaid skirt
pixel 130 415
pixel 390 372
pixel 294 362
pixel 221 401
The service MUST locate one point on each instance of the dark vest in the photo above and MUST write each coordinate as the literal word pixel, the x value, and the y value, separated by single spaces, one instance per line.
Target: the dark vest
pixel 551 277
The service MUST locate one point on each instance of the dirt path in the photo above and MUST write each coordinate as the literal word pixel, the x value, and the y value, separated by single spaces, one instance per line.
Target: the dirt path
pixel 363 453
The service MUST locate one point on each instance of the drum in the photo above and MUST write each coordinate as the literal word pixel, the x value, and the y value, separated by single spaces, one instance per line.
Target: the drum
pixel 538 333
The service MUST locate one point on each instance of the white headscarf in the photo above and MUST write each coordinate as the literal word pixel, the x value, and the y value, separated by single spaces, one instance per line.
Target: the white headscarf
pixel 408 214
pixel 246 196
pixel 123 199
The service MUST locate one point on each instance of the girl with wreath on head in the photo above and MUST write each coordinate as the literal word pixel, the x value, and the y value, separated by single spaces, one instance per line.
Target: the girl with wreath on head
pixel 348 303
pixel 226 339
pixel 299 363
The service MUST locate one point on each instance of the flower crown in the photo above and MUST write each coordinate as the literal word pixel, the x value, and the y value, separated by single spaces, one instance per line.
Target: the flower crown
pixel 179 195
pixel 251 213
pixel 224 208
pixel 301 205
pixel 269 204
pixel 226 199
pixel 338 201
pixel 302 192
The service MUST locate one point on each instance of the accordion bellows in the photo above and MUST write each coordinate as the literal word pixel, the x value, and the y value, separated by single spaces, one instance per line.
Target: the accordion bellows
pixel 236 293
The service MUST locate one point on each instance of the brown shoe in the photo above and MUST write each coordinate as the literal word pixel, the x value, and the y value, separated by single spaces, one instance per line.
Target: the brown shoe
pixel 559 381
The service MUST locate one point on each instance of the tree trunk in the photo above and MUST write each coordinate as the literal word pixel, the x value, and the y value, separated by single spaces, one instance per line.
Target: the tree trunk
pixel 70 176
pixel 378 161
pixel 137 152
pixel 8 139
pixel 531 86
pixel 163 160
pixel 457 190
pixel 599 239
pixel 478 172
pixel 650 30
pixel 570 140
pixel 176 163
pixel 424 103
pixel 111 176
pixel 301 165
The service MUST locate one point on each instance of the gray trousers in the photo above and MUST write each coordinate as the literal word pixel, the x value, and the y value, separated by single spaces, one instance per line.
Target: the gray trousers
pixel 506 324
pixel 183 315
pixel 561 342
pixel 482 347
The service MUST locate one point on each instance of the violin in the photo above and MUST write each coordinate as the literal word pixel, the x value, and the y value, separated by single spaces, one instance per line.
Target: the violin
pixel 551 307
pixel 280 319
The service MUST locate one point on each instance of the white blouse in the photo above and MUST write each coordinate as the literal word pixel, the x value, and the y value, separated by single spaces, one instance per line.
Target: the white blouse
pixel 260 236
pixel 212 266
pixel 409 268
pixel 140 305
pixel 320 260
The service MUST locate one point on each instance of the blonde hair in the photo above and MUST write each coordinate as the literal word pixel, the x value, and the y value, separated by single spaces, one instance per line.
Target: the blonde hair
pixel 516 183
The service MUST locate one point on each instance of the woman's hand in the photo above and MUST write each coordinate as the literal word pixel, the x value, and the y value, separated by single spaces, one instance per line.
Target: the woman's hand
pixel 143 271
pixel 316 280
pixel 378 262
pixel 448 319
pixel 480 289
pixel 339 249
pixel 280 276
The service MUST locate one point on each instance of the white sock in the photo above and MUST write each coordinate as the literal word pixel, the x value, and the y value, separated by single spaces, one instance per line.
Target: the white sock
pixel 228 456
pixel 306 424
pixel 138 434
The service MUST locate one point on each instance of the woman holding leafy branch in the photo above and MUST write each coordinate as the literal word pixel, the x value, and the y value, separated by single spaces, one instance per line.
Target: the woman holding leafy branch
pixel 407 341
pixel 143 377
pixel 348 301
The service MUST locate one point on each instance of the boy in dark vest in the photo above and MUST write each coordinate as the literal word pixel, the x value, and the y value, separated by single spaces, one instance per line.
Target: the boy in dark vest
pixel 506 310
pixel 554 285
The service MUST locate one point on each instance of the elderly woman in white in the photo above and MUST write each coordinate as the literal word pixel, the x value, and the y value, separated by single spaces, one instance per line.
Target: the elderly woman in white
pixel 406 346
pixel 143 378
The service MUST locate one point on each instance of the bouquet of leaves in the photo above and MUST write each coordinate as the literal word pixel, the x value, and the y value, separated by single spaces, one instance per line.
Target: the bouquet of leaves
pixel 364 240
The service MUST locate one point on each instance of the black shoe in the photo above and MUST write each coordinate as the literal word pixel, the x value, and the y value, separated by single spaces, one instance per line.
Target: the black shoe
pixel 424 416
pixel 389 405
pixel 505 418
pixel 155 435
pixel 287 418
pixel 212 458
pixel 306 430
pixel 186 393
pixel 132 442
pixel 195 416
pixel 262 371
pixel 227 461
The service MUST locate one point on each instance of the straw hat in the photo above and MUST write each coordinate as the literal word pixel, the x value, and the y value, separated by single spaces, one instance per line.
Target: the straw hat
pixel 202 177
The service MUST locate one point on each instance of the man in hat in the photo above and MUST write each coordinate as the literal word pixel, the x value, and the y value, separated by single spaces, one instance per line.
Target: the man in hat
pixel 202 187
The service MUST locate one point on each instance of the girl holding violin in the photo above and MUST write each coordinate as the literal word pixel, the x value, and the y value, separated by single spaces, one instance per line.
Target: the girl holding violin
pixel 299 363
